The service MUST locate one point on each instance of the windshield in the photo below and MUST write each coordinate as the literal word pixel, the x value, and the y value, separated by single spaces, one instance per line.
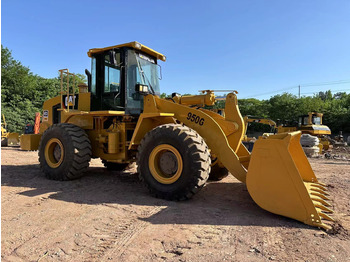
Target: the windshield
pixel 148 72
pixel 316 120
pixel 141 69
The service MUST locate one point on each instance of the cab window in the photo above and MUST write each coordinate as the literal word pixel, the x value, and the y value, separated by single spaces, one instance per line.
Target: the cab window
pixel 316 120
pixel 112 75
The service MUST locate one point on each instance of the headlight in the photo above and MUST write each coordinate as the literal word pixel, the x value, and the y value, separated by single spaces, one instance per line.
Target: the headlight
pixel 138 45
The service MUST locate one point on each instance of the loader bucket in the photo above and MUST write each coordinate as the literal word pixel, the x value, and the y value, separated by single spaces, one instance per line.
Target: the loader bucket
pixel 280 180
pixel 13 139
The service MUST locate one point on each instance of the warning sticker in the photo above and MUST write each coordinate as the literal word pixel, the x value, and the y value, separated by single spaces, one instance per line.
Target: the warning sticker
pixel 46 115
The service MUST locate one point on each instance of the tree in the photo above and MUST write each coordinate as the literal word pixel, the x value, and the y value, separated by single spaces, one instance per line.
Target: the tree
pixel 23 93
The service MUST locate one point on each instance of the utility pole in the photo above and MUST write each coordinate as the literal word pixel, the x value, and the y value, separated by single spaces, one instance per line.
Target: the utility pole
pixel 299 91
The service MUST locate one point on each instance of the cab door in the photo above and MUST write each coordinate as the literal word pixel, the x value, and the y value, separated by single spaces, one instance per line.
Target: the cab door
pixel 112 95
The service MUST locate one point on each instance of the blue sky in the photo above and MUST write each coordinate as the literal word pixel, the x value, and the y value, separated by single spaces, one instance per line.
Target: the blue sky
pixel 255 47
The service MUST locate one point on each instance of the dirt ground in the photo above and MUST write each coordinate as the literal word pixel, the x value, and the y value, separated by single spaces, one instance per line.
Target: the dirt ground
pixel 109 216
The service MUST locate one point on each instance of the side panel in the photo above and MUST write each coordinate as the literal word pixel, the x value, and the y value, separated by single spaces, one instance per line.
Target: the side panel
pixel 53 115
pixel 48 113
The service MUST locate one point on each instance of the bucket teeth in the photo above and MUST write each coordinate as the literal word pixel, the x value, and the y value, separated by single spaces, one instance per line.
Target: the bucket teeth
pixel 319 190
pixel 318 199
pixel 319 186
pixel 326 209
pixel 325 216
pixel 319 195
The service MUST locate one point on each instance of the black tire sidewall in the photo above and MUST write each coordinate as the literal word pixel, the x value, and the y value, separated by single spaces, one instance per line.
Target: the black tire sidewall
pixel 68 158
pixel 187 177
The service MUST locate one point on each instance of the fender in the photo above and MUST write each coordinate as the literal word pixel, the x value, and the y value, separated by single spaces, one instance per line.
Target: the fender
pixel 222 135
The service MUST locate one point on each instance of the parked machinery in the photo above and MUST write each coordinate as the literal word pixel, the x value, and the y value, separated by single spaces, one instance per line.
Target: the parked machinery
pixel 120 118
pixel 310 124
pixel 7 138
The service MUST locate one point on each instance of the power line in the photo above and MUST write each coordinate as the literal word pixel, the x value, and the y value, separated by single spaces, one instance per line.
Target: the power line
pixel 331 90
pixel 337 82
pixel 273 92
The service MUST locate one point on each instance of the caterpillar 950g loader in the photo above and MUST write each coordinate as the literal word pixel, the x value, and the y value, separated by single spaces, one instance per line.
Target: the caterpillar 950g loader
pixel 120 118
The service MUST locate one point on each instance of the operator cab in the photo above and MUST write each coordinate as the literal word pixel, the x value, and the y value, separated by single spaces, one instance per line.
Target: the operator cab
pixel 121 74
pixel 310 119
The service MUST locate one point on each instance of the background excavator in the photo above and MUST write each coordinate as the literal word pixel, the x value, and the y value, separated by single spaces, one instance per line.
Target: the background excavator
pixel 120 118
pixel 249 141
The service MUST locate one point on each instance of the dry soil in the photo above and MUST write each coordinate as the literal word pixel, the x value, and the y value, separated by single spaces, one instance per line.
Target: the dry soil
pixel 109 216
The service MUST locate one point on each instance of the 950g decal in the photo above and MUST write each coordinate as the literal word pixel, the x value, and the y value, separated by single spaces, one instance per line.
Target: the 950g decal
pixel 194 118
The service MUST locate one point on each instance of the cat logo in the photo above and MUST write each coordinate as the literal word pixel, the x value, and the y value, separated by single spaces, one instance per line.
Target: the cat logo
pixel 70 101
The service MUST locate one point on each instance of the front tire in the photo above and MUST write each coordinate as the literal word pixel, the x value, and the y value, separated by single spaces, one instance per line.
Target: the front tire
pixel 173 162
pixel 64 152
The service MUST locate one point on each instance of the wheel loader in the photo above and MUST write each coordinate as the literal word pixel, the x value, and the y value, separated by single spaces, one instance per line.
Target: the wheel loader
pixel 120 118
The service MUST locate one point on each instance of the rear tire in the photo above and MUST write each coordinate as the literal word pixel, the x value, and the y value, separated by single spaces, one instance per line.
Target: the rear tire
pixel 173 162
pixel 64 152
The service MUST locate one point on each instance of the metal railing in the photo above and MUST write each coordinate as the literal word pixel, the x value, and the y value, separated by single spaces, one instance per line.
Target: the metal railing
pixel 66 72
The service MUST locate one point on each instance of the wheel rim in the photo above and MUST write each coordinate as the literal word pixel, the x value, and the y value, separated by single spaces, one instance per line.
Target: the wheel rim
pixel 54 153
pixel 165 164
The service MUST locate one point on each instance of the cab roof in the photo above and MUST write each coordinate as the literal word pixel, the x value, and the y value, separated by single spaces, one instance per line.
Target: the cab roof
pixel 135 45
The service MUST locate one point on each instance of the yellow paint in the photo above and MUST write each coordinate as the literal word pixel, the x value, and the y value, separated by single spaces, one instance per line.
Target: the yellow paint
pixel 264 121
pixel 135 45
pixel 30 142
pixel 12 139
pixel 148 121
pixel 50 147
pixel 280 179
pixel 154 164
pixel 310 128
pixel 278 174
pixel 224 146
pixel 84 101
pixel 200 100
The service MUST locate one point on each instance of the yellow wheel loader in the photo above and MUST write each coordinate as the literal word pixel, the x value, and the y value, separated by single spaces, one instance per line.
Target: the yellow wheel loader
pixel 120 118
pixel 8 139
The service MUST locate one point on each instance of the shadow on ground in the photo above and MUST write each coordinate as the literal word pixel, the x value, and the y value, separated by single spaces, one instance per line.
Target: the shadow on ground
pixel 219 203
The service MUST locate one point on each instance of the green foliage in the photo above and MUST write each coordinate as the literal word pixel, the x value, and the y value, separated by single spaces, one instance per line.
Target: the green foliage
pixel 288 107
pixel 254 107
pixel 22 93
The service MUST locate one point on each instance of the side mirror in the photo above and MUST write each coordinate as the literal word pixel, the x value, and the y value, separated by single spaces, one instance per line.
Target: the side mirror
pixel 112 58
pixel 142 89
